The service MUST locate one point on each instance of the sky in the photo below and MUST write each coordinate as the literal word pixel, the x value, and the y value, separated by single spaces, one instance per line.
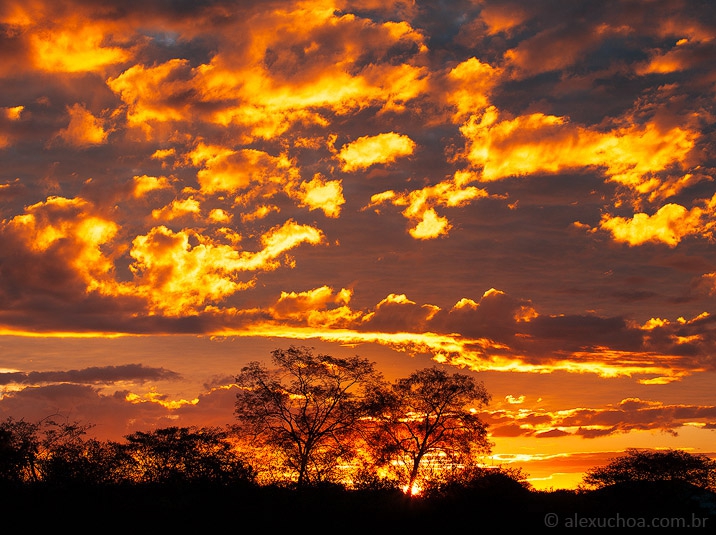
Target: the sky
pixel 522 191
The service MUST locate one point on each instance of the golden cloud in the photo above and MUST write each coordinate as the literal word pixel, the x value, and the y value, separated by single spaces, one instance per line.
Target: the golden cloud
pixel 144 184
pixel 84 129
pixel 316 307
pixel 290 66
pixel 471 84
pixel 177 209
pixel 627 415
pixel 669 225
pixel 420 204
pixel 71 229
pixel 320 194
pixel 369 150
pixel 75 47
pixel 227 170
pixel 546 143
pixel 147 92
pixel 13 113
pixel 177 278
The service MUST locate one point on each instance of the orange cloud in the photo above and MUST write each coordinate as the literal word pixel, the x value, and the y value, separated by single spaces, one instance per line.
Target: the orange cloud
pixel 290 66
pixel 13 113
pixel 686 54
pixel 320 194
pixel 369 150
pixel 317 307
pixel 420 204
pixel 625 416
pixel 546 143
pixel 177 209
pixel 502 18
pixel 259 212
pixel 559 46
pixel 84 129
pixel 144 184
pixel 178 278
pixel 227 170
pixel 217 215
pixel 147 92
pixel 471 84
pixel 69 228
pixel 669 225
pixel 74 46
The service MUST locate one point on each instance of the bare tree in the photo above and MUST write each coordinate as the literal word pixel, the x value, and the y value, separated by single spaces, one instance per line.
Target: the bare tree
pixel 427 422
pixel 306 407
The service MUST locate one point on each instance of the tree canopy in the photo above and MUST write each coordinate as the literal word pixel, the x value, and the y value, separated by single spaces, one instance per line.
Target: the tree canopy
pixel 655 465
pixel 307 407
pixel 428 423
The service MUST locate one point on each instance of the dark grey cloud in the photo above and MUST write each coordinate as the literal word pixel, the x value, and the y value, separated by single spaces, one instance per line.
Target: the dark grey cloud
pixel 91 375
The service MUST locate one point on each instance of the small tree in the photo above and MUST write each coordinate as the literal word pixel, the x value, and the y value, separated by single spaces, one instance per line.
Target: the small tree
pixel 649 465
pixel 306 407
pixel 428 422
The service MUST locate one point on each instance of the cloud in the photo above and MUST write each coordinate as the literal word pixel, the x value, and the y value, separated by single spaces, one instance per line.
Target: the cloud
pixel 628 415
pixel 320 194
pixel 539 143
pixel 226 170
pixel 68 234
pixel 420 204
pixel 370 150
pixel 92 375
pixel 74 47
pixel 144 184
pixel 497 186
pixel 669 225
pixel 176 277
pixel 118 414
pixel 288 66
pixel 177 209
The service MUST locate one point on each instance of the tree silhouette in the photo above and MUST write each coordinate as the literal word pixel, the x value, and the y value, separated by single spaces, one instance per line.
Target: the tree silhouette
pixel 307 407
pixel 427 422
pixel 89 462
pixel 647 465
pixel 19 449
pixel 29 450
pixel 185 455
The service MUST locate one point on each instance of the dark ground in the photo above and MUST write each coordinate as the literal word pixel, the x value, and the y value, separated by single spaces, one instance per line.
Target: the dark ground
pixel 493 508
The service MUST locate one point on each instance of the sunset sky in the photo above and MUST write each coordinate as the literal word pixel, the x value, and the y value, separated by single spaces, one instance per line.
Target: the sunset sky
pixel 514 189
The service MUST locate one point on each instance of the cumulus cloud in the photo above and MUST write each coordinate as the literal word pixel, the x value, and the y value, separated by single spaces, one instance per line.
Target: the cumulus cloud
pixel 369 150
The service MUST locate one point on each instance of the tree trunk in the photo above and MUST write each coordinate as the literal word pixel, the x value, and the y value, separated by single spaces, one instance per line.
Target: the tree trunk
pixel 414 474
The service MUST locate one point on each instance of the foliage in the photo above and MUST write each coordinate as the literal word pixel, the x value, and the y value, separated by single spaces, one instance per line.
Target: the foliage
pixel 19 448
pixel 649 465
pixel 185 454
pixel 30 452
pixel 55 453
pixel 478 478
pixel 87 462
pixel 306 407
pixel 425 426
